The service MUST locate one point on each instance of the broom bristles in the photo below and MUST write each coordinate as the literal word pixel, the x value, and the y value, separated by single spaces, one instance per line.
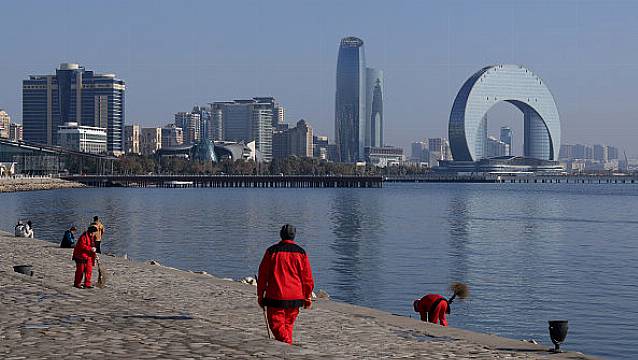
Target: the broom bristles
pixel 461 290
pixel 101 276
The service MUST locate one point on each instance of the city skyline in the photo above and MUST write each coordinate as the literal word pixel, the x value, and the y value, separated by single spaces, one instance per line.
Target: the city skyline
pixel 425 59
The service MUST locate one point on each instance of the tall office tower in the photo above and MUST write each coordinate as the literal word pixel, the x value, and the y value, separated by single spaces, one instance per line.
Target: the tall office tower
pixel 300 139
pixel 496 148
pixel 216 128
pixel 132 139
pixel 206 131
pixel 280 145
pixel 374 108
pixel 350 100
pixel 566 152
pixel 73 94
pixel 420 152
pixel 612 153
pixel 506 137
pixel 191 124
pixel 247 120
pixel 600 153
pixel 172 136
pixel 150 140
pixel 15 132
pixel 5 124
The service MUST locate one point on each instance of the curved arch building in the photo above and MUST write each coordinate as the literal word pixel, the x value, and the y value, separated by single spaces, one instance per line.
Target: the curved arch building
pixel 518 86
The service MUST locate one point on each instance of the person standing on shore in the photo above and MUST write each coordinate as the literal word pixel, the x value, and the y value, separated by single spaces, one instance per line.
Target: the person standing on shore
pixel 100 232
pixel 284 284
pixel 84 254
pixel 432 308
pixel 68 241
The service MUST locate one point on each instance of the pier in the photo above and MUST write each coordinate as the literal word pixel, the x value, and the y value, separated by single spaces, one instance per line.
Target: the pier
pixel 228 181
pixel 515 179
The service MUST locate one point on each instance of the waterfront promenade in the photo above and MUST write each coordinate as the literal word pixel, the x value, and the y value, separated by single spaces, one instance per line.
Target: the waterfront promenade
pixel 149 311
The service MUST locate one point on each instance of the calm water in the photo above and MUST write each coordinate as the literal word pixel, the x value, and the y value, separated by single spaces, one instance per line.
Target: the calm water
pixel 529 252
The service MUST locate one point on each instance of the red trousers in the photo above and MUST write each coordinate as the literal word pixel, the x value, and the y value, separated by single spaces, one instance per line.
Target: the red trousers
pixel 281 322
pixel 83 269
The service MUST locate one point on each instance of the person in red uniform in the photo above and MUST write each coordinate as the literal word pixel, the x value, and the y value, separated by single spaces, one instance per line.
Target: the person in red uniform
pixel 284 284
pixel 432 308
pixel 84 256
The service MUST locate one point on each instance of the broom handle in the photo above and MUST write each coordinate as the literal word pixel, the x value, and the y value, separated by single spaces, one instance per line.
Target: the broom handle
pixel 266 321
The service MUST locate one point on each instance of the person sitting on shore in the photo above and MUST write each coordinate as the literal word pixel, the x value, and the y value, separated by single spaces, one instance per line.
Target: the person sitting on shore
pixel 68 241
pixel 84 256
pixel 20 229
pixel 29 229
pixel 100 232
pixel 284 284
pixel 432 308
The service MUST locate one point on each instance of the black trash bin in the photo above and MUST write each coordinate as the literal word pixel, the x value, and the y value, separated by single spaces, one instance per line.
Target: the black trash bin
pixel 23 269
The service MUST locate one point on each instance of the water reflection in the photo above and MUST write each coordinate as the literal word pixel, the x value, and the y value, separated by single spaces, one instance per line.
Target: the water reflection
pixel 358 230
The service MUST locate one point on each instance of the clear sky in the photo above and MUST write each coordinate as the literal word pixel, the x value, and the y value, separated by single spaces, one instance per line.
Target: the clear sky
pixel 175 54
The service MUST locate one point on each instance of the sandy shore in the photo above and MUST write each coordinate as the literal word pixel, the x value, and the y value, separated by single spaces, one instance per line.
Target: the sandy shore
pixel 35 183
pixel 149 311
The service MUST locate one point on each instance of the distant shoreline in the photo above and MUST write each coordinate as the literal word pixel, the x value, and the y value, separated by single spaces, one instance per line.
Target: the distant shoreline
pixel 20 184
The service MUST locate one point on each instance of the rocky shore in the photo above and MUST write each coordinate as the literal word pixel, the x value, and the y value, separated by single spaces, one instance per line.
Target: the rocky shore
pixel 35 183
pixel 148 311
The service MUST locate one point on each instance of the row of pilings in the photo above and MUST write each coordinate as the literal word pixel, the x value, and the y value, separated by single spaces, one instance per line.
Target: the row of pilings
pixel 229 181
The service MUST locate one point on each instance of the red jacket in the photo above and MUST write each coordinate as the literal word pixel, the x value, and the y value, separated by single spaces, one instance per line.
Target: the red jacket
pixel 285 276
pixel 433 308
pixel 82 250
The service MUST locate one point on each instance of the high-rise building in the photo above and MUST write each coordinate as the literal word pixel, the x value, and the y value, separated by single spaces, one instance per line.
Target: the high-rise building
pixel 132 139
pixel 600 153
pixel 497 148
pixel 5 124
pixel 246 121
pixel 150 140
pixel 191 124
pixel 506 137
pixel 207 126
pixel 15 132
pixel 419 152
pixel 374 108
pixel 350 100
pixel 566 152
pixel 73 94
pixel 612 153
pixel 300 139
pixel 358 102
pixel 320 147
pixel 172 135
pixel 89 139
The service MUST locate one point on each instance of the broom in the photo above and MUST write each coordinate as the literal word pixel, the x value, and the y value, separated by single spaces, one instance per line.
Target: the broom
pixel 459 289
pixel 101 274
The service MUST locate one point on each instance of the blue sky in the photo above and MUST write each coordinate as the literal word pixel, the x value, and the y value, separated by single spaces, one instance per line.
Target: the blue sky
pixel 174 55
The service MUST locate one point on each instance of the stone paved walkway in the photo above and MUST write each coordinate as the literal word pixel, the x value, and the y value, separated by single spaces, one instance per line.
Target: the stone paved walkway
pixel 148 312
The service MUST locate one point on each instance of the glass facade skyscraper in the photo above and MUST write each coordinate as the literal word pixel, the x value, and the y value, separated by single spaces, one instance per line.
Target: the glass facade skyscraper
pixel 73 94
pixel 350 100
pixel 358 103
pixel 518 86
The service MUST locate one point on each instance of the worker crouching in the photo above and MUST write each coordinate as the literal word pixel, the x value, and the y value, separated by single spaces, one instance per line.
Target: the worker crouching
pixel 284 284
pixel 432 308
pixel 84 256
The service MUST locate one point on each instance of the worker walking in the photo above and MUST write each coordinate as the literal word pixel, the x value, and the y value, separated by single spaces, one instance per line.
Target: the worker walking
pixel 100 232
pixel 284 284
pixel 432 308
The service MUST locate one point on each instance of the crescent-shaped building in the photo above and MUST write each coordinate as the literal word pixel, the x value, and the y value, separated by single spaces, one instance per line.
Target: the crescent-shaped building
pixel 518 86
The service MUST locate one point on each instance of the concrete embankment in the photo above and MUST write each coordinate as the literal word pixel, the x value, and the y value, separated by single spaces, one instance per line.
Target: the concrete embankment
pixel 149 311
pixel 35 183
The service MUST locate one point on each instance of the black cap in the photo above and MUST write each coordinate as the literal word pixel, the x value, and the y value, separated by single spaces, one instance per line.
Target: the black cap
pixel 287 232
